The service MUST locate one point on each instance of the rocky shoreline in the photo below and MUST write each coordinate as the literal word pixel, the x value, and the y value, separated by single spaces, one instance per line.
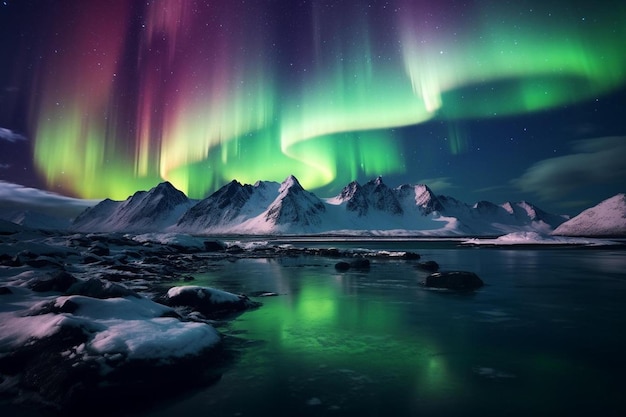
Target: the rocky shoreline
pixel 86 317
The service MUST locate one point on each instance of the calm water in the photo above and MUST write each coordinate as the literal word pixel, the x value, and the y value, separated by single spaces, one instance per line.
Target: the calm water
pixel 545 336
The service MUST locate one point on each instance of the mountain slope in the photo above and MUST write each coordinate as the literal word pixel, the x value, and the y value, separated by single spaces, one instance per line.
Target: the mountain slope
pixel 607 218
pixel 151 210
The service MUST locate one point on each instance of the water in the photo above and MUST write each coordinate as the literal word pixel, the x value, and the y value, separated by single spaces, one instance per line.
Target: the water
pixel 545 336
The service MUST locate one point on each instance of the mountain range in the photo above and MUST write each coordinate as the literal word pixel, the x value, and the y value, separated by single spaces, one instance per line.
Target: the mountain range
pixel 372 209
pixel 287 208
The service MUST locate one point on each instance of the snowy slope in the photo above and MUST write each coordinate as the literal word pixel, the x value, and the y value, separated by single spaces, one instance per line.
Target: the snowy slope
pixel 294 210
pixel 152 210
pixel 608 218
pixel 231 205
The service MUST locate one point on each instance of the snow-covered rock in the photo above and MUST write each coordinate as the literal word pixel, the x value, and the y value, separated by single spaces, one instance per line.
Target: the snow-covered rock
pixel 608 218
pixel 206 300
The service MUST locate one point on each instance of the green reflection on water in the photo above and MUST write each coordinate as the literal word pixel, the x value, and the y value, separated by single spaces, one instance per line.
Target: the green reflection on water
pixel 370 342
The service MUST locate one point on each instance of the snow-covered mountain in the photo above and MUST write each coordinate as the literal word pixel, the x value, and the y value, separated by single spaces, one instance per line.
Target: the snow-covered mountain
pixel 286 208
pixel 608 218
pixel 372 208
pixel 152 210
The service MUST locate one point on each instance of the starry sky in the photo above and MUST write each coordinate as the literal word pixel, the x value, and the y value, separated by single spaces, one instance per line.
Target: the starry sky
pixel 482 100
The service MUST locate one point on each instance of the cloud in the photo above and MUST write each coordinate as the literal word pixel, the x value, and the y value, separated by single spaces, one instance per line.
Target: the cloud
pixel 438 184
pixel 17 197
pixel 594 162
pixel 10 136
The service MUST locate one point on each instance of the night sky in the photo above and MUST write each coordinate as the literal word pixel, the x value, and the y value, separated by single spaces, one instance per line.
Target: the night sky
pixel 482 100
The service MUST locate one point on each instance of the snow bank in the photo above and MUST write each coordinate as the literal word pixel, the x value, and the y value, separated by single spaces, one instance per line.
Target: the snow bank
pixel 176 239
pixel 534 238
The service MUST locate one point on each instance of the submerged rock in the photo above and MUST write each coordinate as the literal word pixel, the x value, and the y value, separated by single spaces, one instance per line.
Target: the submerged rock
pixel 360 264
pixel 431 266
pixel 454 280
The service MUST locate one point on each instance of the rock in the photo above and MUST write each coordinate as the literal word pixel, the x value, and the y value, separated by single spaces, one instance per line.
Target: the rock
pixel 342 266
pixel 99 249
pixel 67 306
pixel 5 291
pixel 235 249
pixel 59 281
pixel 328 252
pixel 454 280
pixel 430 266
pixel 411 256
pixel 360 264
pixel 208 301
pixel 100 289
pixel 214 246
pixel 42 262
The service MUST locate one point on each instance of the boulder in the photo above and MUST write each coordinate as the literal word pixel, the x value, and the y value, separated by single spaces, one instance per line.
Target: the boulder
pixel 208 301
pixel 342 266
pixel 60 282
pixel 430 266
pixel 360 264
pixel 100 289
pixel 214 246
pixel 454 280
pixel 99 249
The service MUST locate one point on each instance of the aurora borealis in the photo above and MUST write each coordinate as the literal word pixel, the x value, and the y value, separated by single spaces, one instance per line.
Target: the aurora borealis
pixel 115 96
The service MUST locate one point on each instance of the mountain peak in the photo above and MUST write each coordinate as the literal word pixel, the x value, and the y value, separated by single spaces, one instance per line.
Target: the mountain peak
pixel 290 182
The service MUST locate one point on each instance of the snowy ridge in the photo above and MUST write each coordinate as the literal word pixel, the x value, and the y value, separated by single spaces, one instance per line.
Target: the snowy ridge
pixel 372 209
pixel 608 218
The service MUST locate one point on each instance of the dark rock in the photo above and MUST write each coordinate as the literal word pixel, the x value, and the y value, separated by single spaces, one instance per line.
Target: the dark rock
pixel 360 264
pixel 91 259
pixel 42 262
pixel 430 266
pixel 329 252
pixel 214 246
pixel 454 280
pixel 59 281
pixel 99 249
pixel 7 260
pixel 127 268
pixel 99 289
pixel 411 256
pixel 5 291
pixel 342 266
pixel 235 249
